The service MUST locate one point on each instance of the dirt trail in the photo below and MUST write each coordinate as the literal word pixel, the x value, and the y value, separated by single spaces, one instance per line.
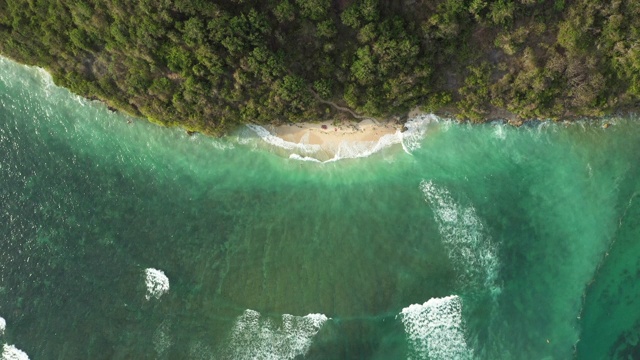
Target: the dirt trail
pixel 338 107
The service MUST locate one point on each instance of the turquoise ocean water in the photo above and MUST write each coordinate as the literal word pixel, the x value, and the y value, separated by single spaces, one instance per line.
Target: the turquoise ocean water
pixel 463 242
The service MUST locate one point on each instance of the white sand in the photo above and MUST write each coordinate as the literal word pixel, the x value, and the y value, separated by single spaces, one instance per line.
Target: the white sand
pixel 314 134
pixel 336 138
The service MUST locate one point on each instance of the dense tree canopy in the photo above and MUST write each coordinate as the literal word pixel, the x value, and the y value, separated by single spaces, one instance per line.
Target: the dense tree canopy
pixel 208 65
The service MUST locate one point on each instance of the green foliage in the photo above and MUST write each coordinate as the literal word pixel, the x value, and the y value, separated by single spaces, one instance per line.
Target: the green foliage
pixel 326 29
pixel 209 65
pixel 178 59
pixel 285 11
pixel 437 101
pixel 570 36
pixel 314 9
pixel 351 17
pixel 475 92
pixel 369 10
pixel 193 31
pixel 367 33
pixel 162 88
pixel 363 67
pixel 501 11
pixel 476 8
pixel 323 88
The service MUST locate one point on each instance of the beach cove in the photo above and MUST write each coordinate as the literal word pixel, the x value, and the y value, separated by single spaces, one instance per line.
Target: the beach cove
pixel 122 239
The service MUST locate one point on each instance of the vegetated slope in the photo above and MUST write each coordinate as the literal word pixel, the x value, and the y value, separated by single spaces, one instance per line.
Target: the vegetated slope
pixel 209 65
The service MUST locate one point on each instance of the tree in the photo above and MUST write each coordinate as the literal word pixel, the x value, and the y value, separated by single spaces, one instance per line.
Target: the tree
pixel 314 9
pixel 285 11
pixel 363 67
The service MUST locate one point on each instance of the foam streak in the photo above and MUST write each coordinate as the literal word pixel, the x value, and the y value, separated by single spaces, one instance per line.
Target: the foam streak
pixel 470 249
pixel 254 337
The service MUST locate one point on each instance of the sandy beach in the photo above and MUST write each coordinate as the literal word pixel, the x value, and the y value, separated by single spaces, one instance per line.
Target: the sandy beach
pixel 334 140
pixel 330 140
pixel 328 134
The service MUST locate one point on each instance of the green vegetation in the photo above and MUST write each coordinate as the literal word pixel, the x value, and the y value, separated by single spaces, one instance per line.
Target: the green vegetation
pixel 209 65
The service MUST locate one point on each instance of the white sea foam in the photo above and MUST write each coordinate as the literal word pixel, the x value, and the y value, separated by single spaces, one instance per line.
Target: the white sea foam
pixel 472 251
pixel 303 158
pixel 499 131
pixel 435 329
pixel 221 146
pixel 416 130
pixel 10 352
pixel 360 149
pixel 162 338
pixel 157 283
pixel 200 351
pixel 265 135
pixel 255 337
pixel 3 326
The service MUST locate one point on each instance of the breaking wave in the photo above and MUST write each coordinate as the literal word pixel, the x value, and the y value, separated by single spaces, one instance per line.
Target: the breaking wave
pixel 416 131
pixel 469 247
pixel 500 131
pixel 3 326
pixel 435 329
pixel 269 138
pixel 255 337
pixel 157 283
pixel 10 352
pixel 303 158
pixel 359 149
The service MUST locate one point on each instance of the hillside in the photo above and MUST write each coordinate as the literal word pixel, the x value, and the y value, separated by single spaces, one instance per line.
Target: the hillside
pixel 208 66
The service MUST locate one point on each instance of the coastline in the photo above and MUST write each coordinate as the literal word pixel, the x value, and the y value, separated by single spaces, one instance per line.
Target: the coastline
pixel 331 140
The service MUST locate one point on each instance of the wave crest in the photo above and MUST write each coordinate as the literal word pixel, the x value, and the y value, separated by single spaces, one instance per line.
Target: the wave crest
pixel 416 131
pixel 265 135
pixel 435 329
pixel 10 352
pixel 157 283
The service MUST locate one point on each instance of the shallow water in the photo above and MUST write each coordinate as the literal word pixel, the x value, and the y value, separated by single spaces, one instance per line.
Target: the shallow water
pixel 484 242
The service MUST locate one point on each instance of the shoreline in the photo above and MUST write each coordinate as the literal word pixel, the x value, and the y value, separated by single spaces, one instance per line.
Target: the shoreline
pixel 332 133
pixel 333 139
